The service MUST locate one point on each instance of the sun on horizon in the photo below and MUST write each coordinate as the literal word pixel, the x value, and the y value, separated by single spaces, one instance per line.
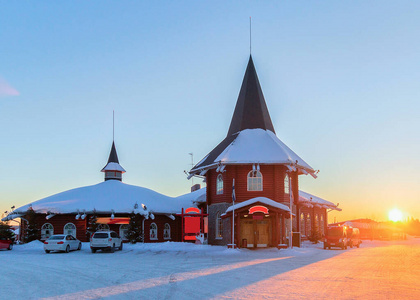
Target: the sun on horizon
pixel 395 215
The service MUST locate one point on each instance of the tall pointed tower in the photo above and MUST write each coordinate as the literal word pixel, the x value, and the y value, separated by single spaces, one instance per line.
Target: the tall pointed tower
pixel 262 167
pixel 113 169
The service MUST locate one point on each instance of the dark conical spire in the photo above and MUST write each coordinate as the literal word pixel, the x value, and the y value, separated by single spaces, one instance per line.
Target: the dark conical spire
pixel 251 110
pixel 113 157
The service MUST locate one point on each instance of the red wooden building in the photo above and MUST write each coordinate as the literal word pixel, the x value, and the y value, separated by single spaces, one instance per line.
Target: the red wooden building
pixel 265 172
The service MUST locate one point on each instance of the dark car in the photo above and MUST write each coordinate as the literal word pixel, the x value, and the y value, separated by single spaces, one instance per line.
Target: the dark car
pixel 6 244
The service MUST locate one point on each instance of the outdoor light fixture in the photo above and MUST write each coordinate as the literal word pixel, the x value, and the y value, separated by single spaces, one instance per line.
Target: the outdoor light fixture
pixel 152 216
pixel 84 215
pixel 144 206
pixel 49 216
pixel 112 214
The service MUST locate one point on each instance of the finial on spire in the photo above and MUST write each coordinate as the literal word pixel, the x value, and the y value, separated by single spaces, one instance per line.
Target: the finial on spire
pixel 113 125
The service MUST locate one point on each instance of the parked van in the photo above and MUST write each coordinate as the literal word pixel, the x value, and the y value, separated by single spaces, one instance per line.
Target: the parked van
pixel 353 235
pixel 336 237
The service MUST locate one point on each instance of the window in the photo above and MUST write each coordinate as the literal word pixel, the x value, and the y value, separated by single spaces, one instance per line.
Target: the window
pixel 47 230
pixel 153 231
pixel 322 224
pixel 123 231
pixel 167 232
pixel 70 229
pixel 219 226
pixel 308 225
pixel 302 224
pixel 286 184
pixel 219 184
pixel 103 227
pixel 255 182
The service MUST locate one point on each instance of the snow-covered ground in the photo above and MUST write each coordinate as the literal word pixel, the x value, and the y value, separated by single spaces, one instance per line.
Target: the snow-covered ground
pixel 377 270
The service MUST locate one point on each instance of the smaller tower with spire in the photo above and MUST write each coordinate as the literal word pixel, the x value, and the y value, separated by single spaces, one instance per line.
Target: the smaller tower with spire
pixel 113 169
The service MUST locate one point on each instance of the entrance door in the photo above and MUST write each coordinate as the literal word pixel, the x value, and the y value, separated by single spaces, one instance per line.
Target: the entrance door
pixel 247 233
pixel 256 233
pixel 262 233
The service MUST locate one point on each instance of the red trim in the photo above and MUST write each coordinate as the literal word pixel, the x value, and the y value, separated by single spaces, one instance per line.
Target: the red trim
pixel 192 210
pixel 258 208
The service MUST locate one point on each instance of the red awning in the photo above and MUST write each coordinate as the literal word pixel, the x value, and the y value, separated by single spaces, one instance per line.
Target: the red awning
pixel 110 221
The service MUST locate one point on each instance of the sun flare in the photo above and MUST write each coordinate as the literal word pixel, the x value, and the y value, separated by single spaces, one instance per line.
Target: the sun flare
pixel 395 215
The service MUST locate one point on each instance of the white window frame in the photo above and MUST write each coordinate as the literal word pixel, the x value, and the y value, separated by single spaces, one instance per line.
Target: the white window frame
pixel 219 184
pixel 44 229
pixel 167 231
pixel 219 226
pixel 68 230
pixel 254 181
pixel 286 184
pixel 153 232
pixel 123 231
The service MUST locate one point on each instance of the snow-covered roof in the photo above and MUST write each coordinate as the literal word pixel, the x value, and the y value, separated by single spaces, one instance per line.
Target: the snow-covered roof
pixel 112 166
pixel 311 200
pixel 262 200
pixel 108 196
pixel 259 146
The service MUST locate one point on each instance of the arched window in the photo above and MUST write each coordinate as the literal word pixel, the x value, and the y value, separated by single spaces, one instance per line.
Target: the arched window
pixel 70 229
pixel 308 225
pixel 123 231
pixel 302 224
pixel 255 181
pixel 316 227
pixel 286 184
pixel 47 230
pixel 219 184
pixel 219 227
pixel 103 227
pixel 322 224
pixel 153 231
pixel 167 232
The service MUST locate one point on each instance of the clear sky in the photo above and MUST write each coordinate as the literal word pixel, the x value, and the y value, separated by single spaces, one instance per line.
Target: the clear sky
pixel 341 80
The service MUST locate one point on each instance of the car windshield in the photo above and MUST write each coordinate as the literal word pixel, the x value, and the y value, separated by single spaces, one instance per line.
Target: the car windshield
pixel 57 237
pixel 335 231
pixel 100 235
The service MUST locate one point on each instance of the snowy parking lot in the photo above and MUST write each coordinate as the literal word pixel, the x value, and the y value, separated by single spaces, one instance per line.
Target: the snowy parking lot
pixel 377 270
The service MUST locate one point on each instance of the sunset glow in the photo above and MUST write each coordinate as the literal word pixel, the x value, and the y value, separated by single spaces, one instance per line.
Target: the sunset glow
pixel 395 215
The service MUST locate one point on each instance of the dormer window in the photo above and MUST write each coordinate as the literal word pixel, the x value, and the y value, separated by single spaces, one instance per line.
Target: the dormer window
pixel 255 181
pixel 219 184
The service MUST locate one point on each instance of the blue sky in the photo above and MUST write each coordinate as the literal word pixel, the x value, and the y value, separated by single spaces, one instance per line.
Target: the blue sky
pixel 341 81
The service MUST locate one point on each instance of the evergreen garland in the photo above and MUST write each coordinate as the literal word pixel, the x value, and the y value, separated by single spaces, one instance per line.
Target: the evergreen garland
pixel 32 231
pixel 6 232
pixel 135 232
pixel 92 224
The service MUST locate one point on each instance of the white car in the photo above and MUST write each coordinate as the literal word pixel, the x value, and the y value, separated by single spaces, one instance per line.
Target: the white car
pixel 105 240
pixel 62 242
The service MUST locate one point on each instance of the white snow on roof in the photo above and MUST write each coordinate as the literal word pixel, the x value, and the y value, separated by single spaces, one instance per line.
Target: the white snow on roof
pixel 263 200
pixel 113 166
pixel 314 200
pixel 111 195
pixel 260 146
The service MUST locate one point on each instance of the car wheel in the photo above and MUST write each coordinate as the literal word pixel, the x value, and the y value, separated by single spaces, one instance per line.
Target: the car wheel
pixel 80 246
pixel 68 249
pixel 47 251
pixel 10 247
pixel 93 250
pixel 113 248
pixel 121 246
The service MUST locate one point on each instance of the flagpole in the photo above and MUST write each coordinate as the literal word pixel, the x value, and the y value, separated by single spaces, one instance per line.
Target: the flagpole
pixel 233 214
pixel 291 205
